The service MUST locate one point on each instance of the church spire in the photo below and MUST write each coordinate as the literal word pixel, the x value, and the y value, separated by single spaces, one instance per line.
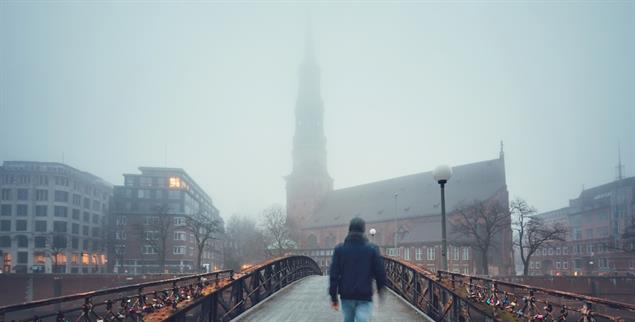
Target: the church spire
pixel 309 181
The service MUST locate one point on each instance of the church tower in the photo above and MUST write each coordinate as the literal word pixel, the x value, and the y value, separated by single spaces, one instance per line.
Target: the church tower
pixel 309 181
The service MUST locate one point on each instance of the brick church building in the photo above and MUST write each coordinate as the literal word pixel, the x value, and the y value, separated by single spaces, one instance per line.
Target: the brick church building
pixel 405 211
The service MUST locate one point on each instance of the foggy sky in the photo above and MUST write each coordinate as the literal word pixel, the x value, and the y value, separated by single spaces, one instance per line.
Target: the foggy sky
pixel 111 86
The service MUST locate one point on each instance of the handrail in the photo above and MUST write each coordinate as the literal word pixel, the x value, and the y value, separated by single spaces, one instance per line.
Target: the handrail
pixel 115 292
pixel 515 293
pixel 79 296
pixel 422 289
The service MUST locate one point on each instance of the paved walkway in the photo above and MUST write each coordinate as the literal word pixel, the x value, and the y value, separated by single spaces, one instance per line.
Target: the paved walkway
pixel 307 300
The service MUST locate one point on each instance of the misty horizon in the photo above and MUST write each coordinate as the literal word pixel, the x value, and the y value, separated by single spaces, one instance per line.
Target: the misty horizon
pixel 211 88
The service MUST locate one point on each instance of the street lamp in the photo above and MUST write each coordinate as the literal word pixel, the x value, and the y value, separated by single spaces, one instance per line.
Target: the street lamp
pixel 372 233
pixel 442 174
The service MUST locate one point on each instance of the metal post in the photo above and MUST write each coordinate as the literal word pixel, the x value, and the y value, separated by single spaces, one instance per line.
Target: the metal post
pixel 444 242
pixel 396 225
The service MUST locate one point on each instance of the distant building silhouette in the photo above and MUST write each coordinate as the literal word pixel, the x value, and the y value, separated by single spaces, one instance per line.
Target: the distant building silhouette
pixel 407 206
pixel 52 218
pixel 601 238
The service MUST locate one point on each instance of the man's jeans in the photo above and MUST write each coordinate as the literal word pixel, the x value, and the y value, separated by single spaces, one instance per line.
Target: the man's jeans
pixel 356 311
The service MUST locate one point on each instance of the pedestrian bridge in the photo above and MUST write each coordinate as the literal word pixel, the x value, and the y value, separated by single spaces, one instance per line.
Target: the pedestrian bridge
pixel 292 288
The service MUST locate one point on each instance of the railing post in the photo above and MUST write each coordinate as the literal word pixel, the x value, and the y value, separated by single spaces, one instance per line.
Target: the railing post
pixel 213 312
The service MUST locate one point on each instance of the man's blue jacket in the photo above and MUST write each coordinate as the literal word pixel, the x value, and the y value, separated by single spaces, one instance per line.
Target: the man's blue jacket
pixel 354 265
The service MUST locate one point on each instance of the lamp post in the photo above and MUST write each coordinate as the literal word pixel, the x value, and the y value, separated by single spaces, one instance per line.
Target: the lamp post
pixel 442 174
pixel 372 233
pixel 396 224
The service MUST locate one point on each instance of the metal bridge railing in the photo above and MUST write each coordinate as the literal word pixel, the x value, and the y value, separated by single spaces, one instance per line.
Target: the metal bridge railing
pixel 216 296
pixel 248 289
pixel 511 301
pixel 125 303
pixel 422 289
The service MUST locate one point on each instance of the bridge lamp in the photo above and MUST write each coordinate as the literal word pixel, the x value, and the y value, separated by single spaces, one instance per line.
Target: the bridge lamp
pixel 442 174
pixel 372 233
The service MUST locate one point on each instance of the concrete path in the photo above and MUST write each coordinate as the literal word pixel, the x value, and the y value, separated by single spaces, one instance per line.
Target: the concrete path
pixel 307 300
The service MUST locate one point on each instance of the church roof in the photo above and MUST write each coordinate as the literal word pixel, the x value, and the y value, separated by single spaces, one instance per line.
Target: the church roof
pixel 418 195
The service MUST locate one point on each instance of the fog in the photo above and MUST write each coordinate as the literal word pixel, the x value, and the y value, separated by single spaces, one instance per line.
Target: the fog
pixel 210 87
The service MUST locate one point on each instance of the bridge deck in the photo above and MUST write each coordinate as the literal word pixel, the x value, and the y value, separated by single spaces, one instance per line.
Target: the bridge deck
pixel 306 300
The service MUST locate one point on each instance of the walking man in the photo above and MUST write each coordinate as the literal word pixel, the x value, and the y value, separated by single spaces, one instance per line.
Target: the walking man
pixel 354 265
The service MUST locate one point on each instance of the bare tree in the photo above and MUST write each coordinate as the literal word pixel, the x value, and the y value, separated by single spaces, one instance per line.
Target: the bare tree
pixel 276 229
pixel 531 231
pixel 244 242
pixel 204 228
pixel 481 223
pixel 56 244
pixel 155 232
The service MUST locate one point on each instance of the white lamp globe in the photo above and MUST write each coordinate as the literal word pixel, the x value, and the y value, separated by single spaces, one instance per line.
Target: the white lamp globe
pixel 372 231
pixel 442 173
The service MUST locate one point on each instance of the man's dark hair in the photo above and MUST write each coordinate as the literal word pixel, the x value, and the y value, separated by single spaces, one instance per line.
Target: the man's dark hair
pixel 357 225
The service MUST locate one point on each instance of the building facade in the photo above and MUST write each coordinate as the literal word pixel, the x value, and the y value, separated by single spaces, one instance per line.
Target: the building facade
pixel 148 228
pixel 599 241
pixel 52 218
pixel 398 208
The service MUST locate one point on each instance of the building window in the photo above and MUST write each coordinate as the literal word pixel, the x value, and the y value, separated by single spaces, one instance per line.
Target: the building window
pixel 179 221
pixel 431 253
pixel 61 196
pixel 75 228
pixel 174 182
pixel 149 249
pixel 565 265
pixel 565 250
pixel 41 195
pixel 95 218
pixel 537 265
pixel 23 257
pixel 151 235
pixel 406 253
pixel 418 254
pixel 5 225
pixel 60 211
pixel 455 253
pixel 76 214
pixel 22 210
pixel 20 225
pixel 393 252
pixel 96 232
pixel 5 241
pixel 120 235
pixel 77 200
pixel 86 217
pixel 150 220
pixel 121 220
pixel 86 203
pixel 6 194
pixel 466 270
pixel 23 194
pixel 23 242
pixel 603 263
pixel 40 242
pixel 40 226
pixel 174 194
pixel 558 265
pixel 59 226
pixel 5 210
pixel 179 235
pixel 85 230
pixel 531 265
pixel 40 211
pixel 178 250
pixel 589 248
pixel 558 250
pixel 550 251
